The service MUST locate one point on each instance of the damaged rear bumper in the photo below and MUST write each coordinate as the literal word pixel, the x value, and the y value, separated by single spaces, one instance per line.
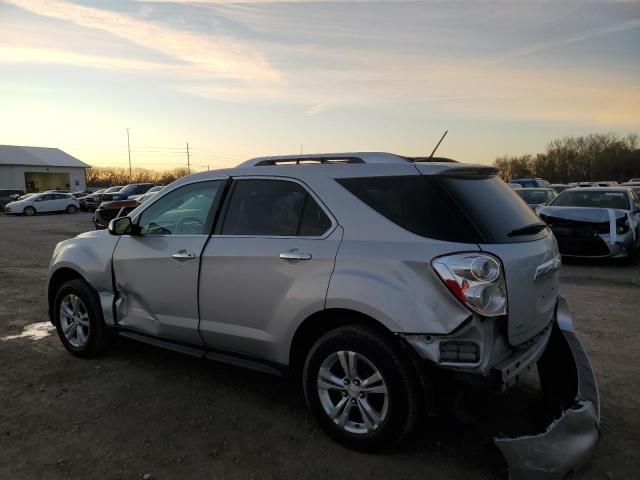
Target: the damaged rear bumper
pixel 571 394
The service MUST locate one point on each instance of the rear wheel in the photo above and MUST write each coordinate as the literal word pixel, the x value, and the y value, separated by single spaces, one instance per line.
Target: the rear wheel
pixel 71 209
pixel 361 388
pixel 28 211
pixel 78 319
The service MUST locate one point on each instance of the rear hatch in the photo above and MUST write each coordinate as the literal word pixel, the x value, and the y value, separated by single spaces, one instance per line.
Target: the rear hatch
pixel 509 229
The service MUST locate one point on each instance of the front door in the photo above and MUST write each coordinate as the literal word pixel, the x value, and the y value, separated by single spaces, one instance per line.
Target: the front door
pixel 156 268
pixel 267 266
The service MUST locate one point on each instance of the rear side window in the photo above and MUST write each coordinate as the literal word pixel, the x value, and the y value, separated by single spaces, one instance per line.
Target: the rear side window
pixel 278 208
pixel 415 203
pixel 465 209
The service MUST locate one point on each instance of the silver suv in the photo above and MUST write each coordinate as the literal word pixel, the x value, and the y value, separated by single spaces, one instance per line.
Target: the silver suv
pixel 359 274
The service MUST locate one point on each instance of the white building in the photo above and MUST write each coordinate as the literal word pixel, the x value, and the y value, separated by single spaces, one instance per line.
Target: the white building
pixel 36 169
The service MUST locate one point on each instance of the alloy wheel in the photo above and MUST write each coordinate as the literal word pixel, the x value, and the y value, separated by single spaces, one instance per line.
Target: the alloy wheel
pixel 352 392
pixel 74 320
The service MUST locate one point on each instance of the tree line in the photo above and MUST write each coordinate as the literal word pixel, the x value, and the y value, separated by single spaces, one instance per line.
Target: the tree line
pixel 109 176
pixel 586 158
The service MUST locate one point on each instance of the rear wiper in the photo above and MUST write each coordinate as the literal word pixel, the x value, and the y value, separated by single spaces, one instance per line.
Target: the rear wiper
pixel 528 230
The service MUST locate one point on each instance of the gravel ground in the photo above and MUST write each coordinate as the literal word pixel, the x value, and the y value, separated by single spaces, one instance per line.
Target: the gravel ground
pixel 142 412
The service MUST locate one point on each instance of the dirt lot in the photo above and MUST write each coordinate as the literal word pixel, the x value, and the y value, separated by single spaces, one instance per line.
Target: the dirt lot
pixel 144 412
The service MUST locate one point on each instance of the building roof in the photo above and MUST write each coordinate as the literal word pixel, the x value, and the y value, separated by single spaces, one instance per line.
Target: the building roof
pixel 40 156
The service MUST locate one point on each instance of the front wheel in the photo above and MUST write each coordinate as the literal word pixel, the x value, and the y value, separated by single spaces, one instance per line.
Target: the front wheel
pixel 78 319
pixel 71 209
pixel 361 388
pixel 29 211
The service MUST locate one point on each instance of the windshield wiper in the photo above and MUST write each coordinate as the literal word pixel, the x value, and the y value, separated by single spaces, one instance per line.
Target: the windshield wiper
pixel 528 230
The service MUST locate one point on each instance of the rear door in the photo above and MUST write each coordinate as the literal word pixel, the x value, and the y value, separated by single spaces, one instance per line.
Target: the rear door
pixel 156 270
pixel 267 266
pixel 46 203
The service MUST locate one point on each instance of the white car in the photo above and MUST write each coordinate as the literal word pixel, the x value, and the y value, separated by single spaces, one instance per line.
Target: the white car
pixel 43 203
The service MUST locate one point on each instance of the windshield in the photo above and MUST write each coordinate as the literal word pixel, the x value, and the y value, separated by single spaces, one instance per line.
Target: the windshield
pixel 24 197
pixel 593 199
pixel 534 196
pixel 113 189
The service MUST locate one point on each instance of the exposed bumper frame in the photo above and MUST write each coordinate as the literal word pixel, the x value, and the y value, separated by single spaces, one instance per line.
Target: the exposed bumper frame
pixel 571 392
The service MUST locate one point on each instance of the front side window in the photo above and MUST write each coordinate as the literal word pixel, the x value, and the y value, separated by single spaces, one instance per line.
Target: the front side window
pixel 185 211
pixel 278 208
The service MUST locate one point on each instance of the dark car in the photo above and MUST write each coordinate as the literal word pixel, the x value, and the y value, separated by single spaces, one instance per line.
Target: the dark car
pixel 530 182
pixel 92 201
pixel 107 211
pixel 7 196
pixel 534 197
pixel 128 191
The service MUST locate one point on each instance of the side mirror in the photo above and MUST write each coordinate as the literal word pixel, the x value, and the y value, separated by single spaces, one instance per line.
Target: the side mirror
pixel 120 226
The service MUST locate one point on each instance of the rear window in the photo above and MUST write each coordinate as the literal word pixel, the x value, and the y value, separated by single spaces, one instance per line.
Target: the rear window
pixel 534 196
pixel 592 199
pixel 466 209
pixel 493 207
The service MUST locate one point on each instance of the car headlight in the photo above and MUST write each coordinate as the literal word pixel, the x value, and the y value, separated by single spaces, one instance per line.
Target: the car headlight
pixel 622 225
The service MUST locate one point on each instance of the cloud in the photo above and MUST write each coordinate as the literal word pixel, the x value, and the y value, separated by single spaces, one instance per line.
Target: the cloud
pixel 220 56
pixel 568 40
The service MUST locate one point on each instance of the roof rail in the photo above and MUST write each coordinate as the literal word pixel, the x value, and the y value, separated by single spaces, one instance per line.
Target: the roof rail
pixel 326 158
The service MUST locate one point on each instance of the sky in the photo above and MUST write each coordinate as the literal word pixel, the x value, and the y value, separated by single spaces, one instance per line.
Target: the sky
pixel 236 80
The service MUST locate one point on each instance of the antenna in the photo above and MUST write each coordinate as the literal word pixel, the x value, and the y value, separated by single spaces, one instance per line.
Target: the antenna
pixel 441 138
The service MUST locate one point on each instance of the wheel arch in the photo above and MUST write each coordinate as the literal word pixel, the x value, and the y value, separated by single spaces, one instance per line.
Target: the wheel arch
pixel 59 278
pixel 321 322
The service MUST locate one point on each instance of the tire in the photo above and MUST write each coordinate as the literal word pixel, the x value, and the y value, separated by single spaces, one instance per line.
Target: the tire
pixel 95 336
pixel 71 209
pixel 372 352
pixel 29 211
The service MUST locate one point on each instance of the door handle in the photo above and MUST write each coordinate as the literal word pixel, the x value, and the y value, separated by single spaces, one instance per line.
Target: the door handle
pixel 295 255
pixel 183 256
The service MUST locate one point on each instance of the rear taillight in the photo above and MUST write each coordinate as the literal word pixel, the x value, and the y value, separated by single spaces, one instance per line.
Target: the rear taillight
pixel 476 279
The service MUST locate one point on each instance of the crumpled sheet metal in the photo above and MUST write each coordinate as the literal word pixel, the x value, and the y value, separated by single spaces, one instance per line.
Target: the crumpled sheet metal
pixel 571 391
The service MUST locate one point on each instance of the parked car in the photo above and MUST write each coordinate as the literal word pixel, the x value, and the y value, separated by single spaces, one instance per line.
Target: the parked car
pixel 559 187
pixel 6 196
pixel 580 184
pixel 634 179
pixel 82 194
pixel 635 186
pixel 534 197
pixel 608 183
pixel 127 191
pixel 531 182
pixel 107 211
pixel 139 196
pixel 43 203
pixel 92 201
pixel 360 276
pixel 595 222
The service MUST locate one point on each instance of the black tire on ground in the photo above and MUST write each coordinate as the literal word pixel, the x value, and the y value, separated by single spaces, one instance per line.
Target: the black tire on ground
pixel 28 211
pixel 71 209
pixel 404 397
pixel 100 335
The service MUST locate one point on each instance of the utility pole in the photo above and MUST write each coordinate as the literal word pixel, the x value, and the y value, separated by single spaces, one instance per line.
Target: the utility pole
pixel 188 160
pixel 129 149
